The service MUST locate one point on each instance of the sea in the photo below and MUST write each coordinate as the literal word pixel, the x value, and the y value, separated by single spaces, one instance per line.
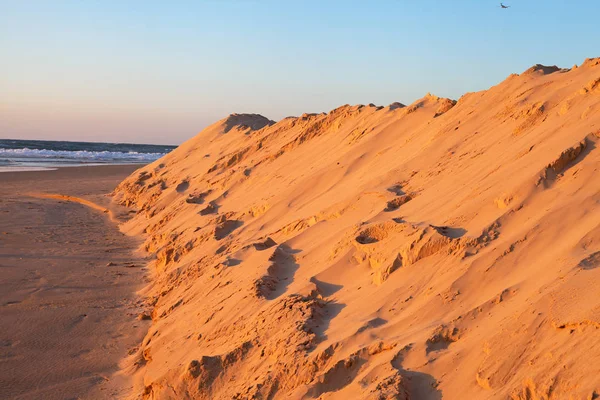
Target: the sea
pixel 31 155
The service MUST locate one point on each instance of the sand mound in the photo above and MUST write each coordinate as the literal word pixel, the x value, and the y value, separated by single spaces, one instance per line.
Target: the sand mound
pixel 443 249
pixel 541 69
pixel 245 122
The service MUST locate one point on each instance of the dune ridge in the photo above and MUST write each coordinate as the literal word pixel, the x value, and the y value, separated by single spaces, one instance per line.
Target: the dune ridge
pixel 444 249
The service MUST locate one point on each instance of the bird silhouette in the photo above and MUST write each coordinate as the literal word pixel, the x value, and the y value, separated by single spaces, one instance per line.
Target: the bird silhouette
pixel 503 6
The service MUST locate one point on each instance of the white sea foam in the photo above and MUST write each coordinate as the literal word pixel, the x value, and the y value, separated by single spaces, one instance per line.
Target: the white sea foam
pixel 100 156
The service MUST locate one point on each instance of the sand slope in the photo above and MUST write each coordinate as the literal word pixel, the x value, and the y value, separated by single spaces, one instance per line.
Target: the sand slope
pixel 442 249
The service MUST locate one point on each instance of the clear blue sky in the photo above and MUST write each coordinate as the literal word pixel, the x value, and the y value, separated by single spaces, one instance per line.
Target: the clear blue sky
pixel 160 71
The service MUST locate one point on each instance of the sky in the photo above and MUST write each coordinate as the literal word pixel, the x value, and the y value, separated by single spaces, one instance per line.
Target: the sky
pixel 160 71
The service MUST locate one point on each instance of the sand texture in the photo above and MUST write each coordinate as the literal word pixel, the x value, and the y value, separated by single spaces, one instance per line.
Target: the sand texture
pixel 437 250
pixel 68 277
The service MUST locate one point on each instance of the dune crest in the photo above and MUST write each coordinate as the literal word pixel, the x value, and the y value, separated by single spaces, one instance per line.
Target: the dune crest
pixel 440 249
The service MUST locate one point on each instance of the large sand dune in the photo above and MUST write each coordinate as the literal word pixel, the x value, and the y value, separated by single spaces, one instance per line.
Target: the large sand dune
pixel 438 250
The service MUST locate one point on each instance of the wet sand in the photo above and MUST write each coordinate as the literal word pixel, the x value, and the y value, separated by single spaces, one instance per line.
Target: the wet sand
pixel 68 282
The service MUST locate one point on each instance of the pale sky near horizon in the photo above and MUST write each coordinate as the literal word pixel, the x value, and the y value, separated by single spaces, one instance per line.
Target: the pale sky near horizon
pixel 159 72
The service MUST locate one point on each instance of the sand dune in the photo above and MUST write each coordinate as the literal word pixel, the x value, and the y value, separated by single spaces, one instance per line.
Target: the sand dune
pixel 437 250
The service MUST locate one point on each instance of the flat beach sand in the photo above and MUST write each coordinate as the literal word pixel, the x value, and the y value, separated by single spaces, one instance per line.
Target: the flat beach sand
pixel 68 283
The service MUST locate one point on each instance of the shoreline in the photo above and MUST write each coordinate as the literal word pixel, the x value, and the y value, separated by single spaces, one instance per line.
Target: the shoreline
pixel 69 293
pixel 54 167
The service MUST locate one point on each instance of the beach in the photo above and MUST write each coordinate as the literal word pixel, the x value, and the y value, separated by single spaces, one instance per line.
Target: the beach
pixel 69 278
pixel 326 200
pixel 440 249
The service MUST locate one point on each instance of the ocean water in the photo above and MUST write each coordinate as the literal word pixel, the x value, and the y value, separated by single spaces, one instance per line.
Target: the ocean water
pixel 27 155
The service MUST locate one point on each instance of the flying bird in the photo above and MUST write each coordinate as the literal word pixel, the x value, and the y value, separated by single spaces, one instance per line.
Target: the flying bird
pixel 503 6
